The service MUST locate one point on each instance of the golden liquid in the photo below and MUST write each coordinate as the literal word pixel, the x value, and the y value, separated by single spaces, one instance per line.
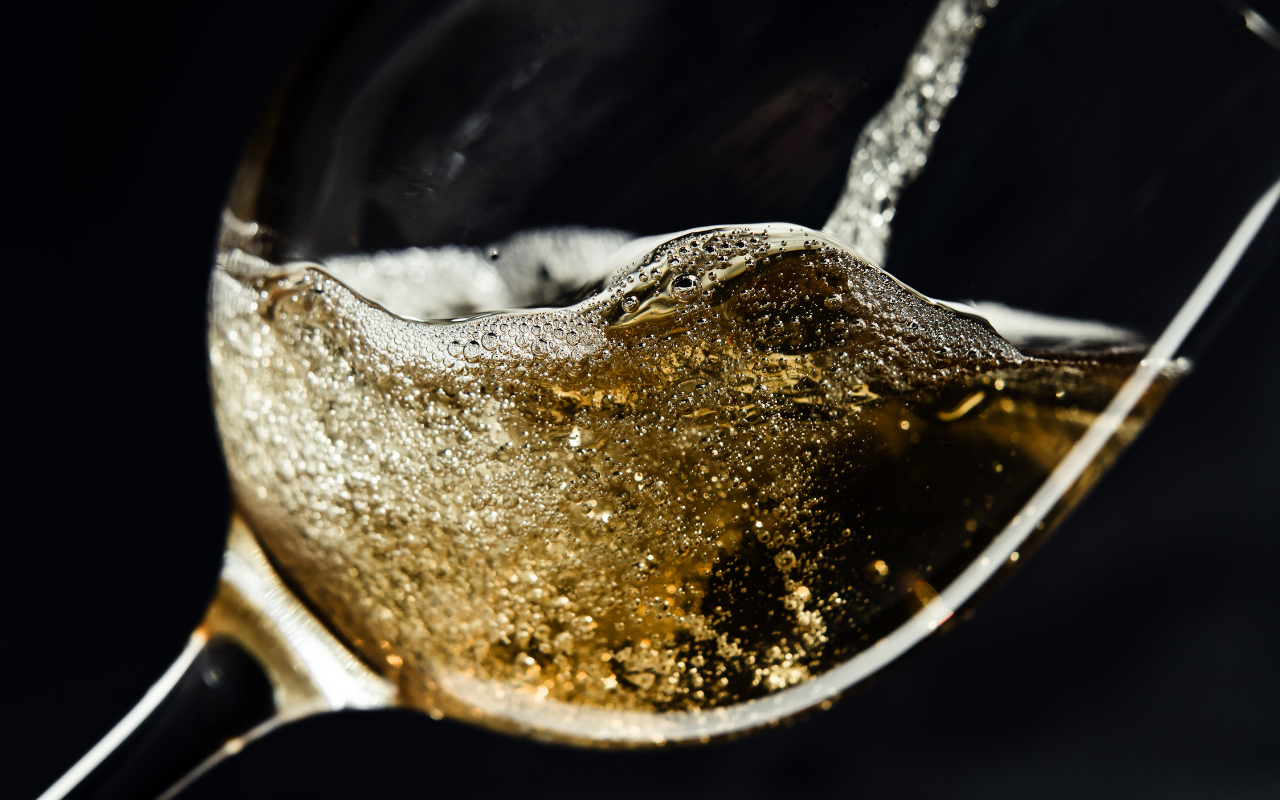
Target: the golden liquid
pixel 744 461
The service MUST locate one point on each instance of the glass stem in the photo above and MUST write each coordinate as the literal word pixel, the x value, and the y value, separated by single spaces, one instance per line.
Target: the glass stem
pixel 214 694
pixel 258 660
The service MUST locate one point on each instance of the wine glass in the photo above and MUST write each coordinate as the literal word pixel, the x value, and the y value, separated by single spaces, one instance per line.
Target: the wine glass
pixel 369 226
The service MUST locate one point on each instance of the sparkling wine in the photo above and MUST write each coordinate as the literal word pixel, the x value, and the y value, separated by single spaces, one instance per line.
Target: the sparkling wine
pixel 741 460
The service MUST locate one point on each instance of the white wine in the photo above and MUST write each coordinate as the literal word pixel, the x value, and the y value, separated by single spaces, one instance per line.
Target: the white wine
pixel 742 460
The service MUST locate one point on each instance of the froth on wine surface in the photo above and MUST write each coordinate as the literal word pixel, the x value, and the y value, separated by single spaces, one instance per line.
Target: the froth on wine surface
pixel 741 462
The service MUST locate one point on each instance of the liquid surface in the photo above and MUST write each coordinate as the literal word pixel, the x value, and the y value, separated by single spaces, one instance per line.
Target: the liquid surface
pixel 741 462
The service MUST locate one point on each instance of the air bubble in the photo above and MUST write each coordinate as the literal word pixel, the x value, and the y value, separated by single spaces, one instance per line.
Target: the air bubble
pixel 686 288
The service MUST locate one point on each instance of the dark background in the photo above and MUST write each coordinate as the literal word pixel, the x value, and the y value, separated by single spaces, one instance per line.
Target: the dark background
pixel 1137 654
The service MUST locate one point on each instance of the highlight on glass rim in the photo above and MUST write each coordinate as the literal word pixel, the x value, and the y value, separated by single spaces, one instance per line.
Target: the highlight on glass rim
pixel 569 386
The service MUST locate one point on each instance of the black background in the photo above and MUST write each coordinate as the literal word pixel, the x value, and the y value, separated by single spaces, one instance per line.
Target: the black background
pixel 1137 654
